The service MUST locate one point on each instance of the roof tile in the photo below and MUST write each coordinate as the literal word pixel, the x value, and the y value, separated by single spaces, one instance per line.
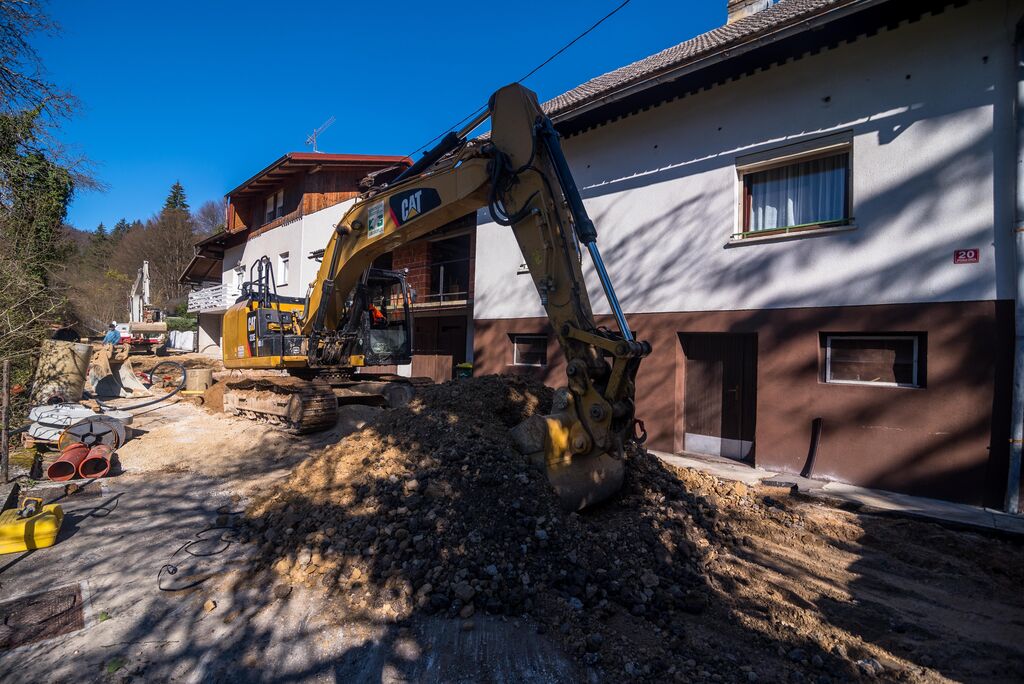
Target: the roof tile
pixel 779 15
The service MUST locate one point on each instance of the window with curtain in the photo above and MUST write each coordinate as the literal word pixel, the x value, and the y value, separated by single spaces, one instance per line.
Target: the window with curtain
pixel 806 194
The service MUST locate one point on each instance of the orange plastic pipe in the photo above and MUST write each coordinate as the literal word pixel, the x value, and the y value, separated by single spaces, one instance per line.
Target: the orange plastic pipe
pixel 66 465
pixel 97 463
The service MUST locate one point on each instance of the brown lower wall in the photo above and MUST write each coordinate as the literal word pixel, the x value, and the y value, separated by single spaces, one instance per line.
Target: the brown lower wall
pixel 947 440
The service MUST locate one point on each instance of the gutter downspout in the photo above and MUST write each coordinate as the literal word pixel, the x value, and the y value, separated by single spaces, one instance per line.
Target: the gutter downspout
pixel 1017 415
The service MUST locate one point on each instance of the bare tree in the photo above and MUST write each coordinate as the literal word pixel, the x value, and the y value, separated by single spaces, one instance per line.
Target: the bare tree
pixel 210 217
pixel 23 80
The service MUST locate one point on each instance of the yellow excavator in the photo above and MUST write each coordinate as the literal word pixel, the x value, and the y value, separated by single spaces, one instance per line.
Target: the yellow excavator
pixel 357 317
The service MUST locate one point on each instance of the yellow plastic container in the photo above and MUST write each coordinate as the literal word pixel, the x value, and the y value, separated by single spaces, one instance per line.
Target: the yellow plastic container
pixel 36 532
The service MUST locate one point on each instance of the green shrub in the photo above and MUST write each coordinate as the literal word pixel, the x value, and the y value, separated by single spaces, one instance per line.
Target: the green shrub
pixel 182 323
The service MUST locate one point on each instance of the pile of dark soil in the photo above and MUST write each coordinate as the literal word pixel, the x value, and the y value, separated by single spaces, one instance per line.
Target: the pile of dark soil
pixel 431 510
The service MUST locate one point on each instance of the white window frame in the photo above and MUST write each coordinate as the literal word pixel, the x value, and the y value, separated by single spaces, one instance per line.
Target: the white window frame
pixel 916 383
pixel 515 337
pixel 284 267
pixel 279 210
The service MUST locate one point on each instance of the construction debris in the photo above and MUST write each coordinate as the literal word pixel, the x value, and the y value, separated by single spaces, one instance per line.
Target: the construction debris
pixel 61 373
pixel 112 375
pixel 106 428
pixel 62 424
pixel 432 510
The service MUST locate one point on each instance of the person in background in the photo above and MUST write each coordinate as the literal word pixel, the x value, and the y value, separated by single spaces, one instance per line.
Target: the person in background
pixel 113 336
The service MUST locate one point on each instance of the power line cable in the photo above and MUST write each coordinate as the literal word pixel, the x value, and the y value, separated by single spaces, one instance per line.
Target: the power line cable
pixel 528 75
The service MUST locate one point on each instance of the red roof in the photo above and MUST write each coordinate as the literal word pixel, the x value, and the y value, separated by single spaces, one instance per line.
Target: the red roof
pixel 293 162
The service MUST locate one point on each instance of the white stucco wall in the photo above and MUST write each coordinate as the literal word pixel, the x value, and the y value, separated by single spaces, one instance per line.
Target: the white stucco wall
pixel 928 105
pixel 298 238
pixel 316 231
pixel 286 238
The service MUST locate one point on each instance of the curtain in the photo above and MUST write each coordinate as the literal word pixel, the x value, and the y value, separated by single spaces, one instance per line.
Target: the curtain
pixel 807 192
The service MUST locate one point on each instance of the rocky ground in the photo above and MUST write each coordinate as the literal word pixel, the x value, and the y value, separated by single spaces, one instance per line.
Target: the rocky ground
pixel 424 542
pixel 431 511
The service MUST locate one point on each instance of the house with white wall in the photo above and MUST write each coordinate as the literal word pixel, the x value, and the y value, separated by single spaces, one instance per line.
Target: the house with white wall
pixel 284 212
pixel 810 213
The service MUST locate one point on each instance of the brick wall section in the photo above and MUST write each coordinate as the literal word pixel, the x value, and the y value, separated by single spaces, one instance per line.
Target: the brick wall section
pixel 414 256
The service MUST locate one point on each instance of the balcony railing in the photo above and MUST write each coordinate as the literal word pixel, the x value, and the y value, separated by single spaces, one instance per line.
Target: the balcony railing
pixel 212 299
pixel 448 284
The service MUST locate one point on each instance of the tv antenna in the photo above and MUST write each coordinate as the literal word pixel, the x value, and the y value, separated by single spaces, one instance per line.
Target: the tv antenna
pixel 311 139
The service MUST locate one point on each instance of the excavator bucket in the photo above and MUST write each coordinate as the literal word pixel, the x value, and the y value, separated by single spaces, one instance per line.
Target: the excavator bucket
pixel 112 375
pixel 579 479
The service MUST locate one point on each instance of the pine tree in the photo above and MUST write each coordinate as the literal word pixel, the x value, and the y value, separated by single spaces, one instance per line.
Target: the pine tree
pixel 120 228
pixel 176 198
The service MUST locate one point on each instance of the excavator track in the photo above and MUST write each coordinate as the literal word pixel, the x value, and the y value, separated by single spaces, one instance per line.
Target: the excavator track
pixel 288 403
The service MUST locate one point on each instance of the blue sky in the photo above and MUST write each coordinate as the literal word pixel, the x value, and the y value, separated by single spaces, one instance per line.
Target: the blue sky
pixel 210 92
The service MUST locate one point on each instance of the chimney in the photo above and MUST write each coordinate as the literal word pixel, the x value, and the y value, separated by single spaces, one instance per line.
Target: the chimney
pixel 744 8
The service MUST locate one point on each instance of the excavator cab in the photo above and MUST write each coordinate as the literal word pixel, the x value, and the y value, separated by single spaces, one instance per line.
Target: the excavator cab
pixel 380 312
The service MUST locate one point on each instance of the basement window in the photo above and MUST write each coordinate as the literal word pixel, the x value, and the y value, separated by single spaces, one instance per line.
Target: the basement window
pixel 881 360
pixel 797 192
pixel 529 350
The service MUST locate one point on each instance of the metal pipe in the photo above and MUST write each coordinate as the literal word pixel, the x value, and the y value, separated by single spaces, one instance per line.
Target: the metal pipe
pixel 609 291
pixel 5 419
pixel 1012 501
pixel 479 119
pixel 586 233
pixel 447 144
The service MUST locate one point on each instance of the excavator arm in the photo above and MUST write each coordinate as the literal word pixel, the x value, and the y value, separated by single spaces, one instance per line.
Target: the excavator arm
pixel 520 175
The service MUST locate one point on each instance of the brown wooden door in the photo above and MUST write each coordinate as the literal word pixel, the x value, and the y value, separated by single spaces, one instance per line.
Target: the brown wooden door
pixel 720 393
pixel 440 336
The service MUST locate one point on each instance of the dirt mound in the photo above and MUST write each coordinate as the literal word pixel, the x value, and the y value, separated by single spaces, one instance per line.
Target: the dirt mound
pixel 213 397
pixel 431 510
pixel 146 363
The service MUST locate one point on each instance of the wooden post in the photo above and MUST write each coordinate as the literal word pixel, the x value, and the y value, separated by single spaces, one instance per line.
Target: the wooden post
pixel 5 417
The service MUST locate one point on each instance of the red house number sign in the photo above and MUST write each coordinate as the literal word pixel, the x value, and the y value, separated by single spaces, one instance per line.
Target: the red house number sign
pixel 965 256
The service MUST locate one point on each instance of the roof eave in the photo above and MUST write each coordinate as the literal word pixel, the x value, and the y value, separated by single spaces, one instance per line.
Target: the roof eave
pixel 308 158
pixel 721 55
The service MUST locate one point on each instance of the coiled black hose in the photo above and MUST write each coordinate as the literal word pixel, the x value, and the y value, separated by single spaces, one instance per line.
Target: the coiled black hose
pixel 132 407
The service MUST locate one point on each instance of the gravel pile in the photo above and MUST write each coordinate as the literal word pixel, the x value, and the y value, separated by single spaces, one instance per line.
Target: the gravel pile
pixel 681 577
pixel 433 510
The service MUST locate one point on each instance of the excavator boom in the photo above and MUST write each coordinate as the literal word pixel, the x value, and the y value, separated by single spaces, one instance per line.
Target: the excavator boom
pixel 521 177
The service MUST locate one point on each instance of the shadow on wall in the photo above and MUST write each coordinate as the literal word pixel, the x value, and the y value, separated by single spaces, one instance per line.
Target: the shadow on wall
pixel 766 276
pixel 946 440
pixel 969 365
